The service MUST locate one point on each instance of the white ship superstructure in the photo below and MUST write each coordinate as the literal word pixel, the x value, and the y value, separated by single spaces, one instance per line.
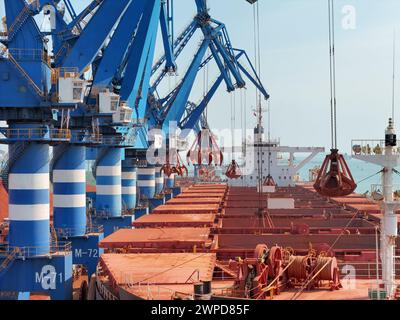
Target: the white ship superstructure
pixel 282 166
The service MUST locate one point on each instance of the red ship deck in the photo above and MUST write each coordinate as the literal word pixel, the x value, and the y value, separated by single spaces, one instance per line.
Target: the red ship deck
pixel 159 275
pixel 172 238
pixel 202 201
pixel 234 228
pixel 175 220
pixel 184 209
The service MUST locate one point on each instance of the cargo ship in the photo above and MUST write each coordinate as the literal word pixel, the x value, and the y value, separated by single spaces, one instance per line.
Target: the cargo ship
pixel 224 241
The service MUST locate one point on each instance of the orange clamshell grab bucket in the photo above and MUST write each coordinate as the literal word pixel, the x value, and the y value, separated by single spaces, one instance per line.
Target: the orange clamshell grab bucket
pixel 334 178
pixel 180 169
pixel 205 148
pixel 233 171
pixel 269 181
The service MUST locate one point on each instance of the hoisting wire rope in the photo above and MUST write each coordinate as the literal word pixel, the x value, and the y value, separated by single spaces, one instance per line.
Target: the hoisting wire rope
pixel 245 122
pixel 334 177
pixel 332 72
pixel 394 75
pixel 233 122
pixel 371 176
pixel 269 138
pixel 205 88
pixel 257 57
pixel 241 117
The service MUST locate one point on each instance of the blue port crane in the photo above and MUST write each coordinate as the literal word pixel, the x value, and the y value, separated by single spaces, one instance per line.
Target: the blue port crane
pixel 29 107
pixel 90 97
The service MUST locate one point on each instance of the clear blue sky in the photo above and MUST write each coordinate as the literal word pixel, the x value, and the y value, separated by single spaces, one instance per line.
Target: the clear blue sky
pixel 295 65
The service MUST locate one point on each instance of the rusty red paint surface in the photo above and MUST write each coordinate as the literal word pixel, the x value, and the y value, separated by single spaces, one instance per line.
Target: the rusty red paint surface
pixel 184 238
pixel 175 220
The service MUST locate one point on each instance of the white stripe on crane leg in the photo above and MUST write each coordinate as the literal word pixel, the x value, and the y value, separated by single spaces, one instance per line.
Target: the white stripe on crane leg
pixel 109 190
pixel 128 175
pixel 129 190
pixel 67 176
pixel 29 181
pixel 146 183
pixel 146 171
pixel 159 180
pixel 69 200
pixel 34 212
pixel 112 171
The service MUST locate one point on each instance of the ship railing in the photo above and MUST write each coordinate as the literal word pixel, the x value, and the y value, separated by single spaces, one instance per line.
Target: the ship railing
pixel 105 293
pixel 28 252
pixel 101 213
pixel 69 232
pixel 36 133
pixel 64 72
pixel 96 137
pixel 377 192
pixel 150 289
pixel 111 140
pixel 86 137
pixel 138 122
pixel 371 147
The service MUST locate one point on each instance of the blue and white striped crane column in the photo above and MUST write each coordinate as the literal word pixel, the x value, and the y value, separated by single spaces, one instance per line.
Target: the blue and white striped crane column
pixel 108 183
pixel 129 174
pixel 29 208
pixel 69 189
pixel 146 181
pixel 159 180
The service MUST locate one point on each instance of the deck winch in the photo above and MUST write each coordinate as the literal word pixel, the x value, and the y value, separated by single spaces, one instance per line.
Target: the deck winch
pixel 255 274
pixel 310 272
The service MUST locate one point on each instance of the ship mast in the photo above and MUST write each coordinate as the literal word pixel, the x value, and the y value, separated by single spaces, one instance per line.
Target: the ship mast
pixel 388 159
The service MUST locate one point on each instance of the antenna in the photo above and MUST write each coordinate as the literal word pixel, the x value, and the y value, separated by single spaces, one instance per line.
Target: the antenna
pixel 394 75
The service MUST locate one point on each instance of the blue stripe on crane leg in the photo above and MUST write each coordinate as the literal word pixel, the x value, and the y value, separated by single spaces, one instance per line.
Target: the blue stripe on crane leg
pixel 129 176
pixel 69 181
pixel 146 180
pixel 29 210
pixel 108 184
pixel 170 181
pixel 159 180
